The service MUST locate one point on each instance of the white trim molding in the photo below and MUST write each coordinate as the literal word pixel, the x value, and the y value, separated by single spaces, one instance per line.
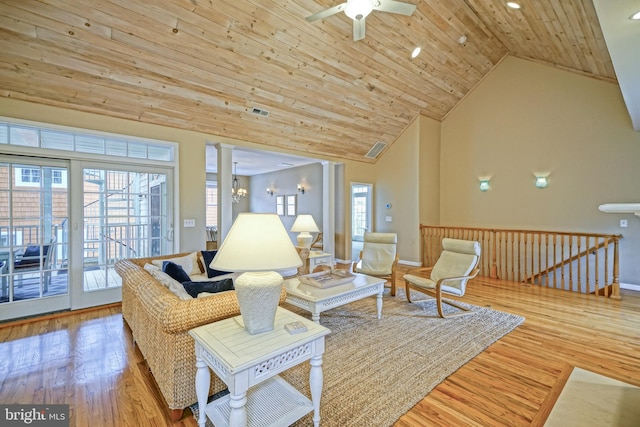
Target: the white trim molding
pixel 633 208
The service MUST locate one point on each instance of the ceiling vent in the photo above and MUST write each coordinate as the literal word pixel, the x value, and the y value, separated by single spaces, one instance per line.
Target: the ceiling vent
pixel 376 150
pixel 260 112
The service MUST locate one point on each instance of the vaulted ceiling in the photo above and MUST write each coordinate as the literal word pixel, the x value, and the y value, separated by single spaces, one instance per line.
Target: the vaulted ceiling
pixel 203 65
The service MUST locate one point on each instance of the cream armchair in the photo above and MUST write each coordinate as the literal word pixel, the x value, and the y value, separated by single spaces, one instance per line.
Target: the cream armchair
pixel 457 265
pixel 379 257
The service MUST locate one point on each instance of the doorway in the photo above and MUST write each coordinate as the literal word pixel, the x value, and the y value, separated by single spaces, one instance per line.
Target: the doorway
pixel 360 215
pixel 34 208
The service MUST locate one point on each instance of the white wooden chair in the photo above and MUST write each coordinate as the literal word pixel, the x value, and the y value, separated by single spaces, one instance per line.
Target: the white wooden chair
pixel 457 265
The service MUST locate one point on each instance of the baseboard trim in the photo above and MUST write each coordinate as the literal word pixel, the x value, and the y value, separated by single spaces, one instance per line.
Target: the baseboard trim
pixel 630 287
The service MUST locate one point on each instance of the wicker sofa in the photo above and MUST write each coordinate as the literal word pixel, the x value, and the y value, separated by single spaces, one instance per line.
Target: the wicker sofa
pixel 160 322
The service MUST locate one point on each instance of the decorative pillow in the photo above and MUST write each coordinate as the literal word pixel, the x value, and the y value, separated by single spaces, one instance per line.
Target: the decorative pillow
pixel 188 262
pixel 175 287
pixel 207 257
pixel 175 271
pixel 194 288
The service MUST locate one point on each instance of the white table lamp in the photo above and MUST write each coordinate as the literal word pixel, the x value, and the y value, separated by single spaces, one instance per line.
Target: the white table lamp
pixel 304 224
pixel 256 245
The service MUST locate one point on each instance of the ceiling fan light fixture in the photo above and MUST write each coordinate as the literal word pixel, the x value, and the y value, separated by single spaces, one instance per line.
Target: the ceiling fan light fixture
pixel 635 16
pixel 415 52
pixel 358 9
pixel 513 5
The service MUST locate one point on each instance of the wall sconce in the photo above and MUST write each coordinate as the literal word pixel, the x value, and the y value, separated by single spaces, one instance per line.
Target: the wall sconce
pixel 541 181
pixel 484 185
pixel 300 189
pixel 270 191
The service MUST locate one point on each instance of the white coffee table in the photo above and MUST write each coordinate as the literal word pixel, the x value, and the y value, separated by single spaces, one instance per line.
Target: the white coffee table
pixel 316 300
pixel 249 364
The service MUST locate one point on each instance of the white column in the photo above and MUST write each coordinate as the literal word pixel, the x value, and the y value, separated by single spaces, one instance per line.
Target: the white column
pixel 329 207
pixel 225 180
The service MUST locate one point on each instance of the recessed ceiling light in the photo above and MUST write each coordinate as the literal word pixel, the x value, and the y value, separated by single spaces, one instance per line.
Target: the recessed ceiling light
pixel 462 39
pixel 635 16
pixel 415 52
pixel 513 5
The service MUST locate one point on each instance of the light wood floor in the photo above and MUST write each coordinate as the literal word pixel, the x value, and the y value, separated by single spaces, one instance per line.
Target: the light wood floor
pixel 87 360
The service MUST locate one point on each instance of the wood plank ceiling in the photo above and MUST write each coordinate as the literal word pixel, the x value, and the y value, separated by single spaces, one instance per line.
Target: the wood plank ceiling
pixel 203 65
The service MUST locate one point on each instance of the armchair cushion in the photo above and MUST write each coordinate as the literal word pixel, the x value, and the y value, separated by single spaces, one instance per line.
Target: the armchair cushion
pixel 426 283
pixel 458 258
pixel 378 254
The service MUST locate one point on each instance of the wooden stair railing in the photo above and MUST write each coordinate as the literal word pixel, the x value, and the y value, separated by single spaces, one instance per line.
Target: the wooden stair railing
pixel 579 262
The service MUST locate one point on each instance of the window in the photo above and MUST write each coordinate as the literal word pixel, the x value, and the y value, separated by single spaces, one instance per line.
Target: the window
pixel 211 198
pixel 32 177
pixel 95 143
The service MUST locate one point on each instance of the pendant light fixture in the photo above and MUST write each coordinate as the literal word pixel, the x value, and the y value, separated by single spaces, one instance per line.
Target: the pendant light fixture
pixel 237 191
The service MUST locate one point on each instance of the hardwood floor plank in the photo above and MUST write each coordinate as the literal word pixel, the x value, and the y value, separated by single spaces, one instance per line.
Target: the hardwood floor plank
pixel 87 359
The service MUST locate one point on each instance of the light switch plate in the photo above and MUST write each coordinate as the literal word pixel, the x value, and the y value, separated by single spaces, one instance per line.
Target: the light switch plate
pixel 188 223
pixel 624 223
pixel 387 218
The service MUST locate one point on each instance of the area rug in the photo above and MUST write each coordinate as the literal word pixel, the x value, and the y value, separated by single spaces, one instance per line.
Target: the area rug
pixel 590 399
pixel 376 370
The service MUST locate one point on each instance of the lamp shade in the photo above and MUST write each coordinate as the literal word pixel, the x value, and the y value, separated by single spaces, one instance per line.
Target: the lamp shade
pixel 304 223
pixel 256 242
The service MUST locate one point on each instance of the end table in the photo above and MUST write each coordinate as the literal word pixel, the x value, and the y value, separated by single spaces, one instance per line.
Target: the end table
pixel 250 364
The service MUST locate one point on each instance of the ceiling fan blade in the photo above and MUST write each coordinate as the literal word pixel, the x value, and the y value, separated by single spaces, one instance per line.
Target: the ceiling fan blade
pixel 358 29
pixel 395 7
pixel 326 13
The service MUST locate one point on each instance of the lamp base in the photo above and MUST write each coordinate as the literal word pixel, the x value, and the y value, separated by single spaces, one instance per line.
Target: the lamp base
pixel 304 239
pixel 258 296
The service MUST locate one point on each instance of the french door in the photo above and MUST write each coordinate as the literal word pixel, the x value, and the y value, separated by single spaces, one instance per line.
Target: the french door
pixel 64 224
pixel 125 214
pixel 34 208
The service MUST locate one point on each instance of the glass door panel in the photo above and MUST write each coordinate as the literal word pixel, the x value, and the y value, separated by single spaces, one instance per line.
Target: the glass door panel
pixel 124 216
pixel 34 207
pixel 360 215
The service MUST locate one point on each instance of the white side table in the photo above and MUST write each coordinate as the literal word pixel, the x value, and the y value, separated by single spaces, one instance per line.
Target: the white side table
pixel 318 258
pixel 249 365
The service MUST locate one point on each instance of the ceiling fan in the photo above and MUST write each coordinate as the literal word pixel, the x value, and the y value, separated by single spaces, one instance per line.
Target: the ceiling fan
pixel 359 9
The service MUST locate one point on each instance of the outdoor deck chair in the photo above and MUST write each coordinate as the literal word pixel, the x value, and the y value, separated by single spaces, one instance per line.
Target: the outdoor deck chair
pixel 32 260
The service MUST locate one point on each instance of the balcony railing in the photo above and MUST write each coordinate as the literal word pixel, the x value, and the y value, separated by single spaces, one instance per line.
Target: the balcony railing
pixel 103 244
pixel 579 262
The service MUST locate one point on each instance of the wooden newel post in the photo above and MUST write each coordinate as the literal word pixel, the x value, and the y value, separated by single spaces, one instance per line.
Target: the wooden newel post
pixel 493 271
pixel 615 286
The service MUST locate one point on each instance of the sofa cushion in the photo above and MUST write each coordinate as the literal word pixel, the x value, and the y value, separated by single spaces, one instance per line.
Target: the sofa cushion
pixel 194 288
pixel 207 257
pixel 188 262
pixel 175 271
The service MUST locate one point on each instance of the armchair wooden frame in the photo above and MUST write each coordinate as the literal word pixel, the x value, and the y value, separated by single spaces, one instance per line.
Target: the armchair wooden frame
pixel 457 264
pixel 437 291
